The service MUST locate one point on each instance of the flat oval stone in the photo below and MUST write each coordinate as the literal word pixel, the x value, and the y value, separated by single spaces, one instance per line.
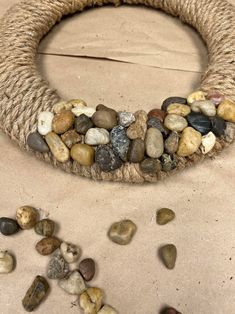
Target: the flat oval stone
pixel 97 136
pixel 198 95
pixel 88 111
pixel 179 109
pixel 8 226
pixel 71 138
pixel 87 268
pixel 168 162
pixel 91 300
pixel 156 123
pixel 45 122
pixel 157 113
pixel 104 119
pixel 62 122
pixel 6 262
pixel 172 143
pixel 120 142
pixel 107 309
pixel 151 165
pixel 139 127
pixel 73 284
pixel 175 123
pixel 46 246
pixel 189 142
pixel 45 227
pixel 122 232
pixel 154 143
pixel 106 159
pixel 168 253
pixel 35 294
pixel 70 252
pixel 172 100
pixel 226 110
pixel 57 268
pixel 82 124
pixel 125 118
pixel 57 147
pixel 83 154
pixel 216 97
pixel 199 122
pixel 26 217
pixel 218 126
pixel 136 151
pixel 165 215
pixel 37 143
pixel 208 143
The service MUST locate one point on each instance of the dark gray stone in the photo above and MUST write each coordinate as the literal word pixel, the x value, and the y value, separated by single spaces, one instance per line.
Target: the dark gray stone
pixel 8 226
pixel 37 143
pixel 218 126
pixel 106 159
pixel 199 122
pixel 120 142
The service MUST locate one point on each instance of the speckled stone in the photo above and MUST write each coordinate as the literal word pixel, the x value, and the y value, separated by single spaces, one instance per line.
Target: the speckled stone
pixel 199 122
pixel 136 151
pixel 156 123
pixel 71 138
pixel 125 118
pixel 122 232
pixel 57 147
pixel 218 126
pixel 172 100
pixel 175 123
pixel 139 127
pixel 168 162
pixel 45 227
pixel 168 253
pixel 165 215
pixel 120 142
pixel 82 124
pixel 73 284
pixel 8 226
pixel 154 143
pixel 157 113
pixel 26 217
pixel 226 111
pixel 106 159
pixel 87 268
pixel 104 119
pixel 83 154
pixel 151 166
pixel 172 143
pixel 37 143
pixel 46 246
pixel 91 300
pixel 57 268
pixel 62 122
pixel 6 262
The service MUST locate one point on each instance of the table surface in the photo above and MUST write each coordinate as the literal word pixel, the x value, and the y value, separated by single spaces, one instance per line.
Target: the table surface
pixel 128 58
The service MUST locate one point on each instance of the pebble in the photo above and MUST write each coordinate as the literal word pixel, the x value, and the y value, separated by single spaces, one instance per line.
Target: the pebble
pixel 216 97
pixel 82 124
pixel 139 127
pixel 175 123
pixel 6 263
pixel 218 126
pixel 229 132
pixel 106 159
pixel 45 227
pixel 205 106
pixel 165 215
pixel 125 118
pixel 226 110
pixel 122 232
pixel 91 300
pixel 8 226
pixel 107 309
pixel 57 268
pixel 208 143
pixel 71 138
pixel 120 142
pixel 26 217
pixel 150 166
pixel 57 147
pixel 83 154
pixel 102 107
pixel 45 122
pixel 97 136
pixel 87 268
pixel 62 106
pixel 170 310
pixel 154 143
pixel 199 122
pixel 172 143
pixel 62 122
pixel 168 254
pixel 198 95
pixel 35 294
pixel 73 283
pixel 70 252
pixel 179 109
pixel 105 119
pixel 156 123
pixel 136 151
pixel 189 142
pixel 168 162
pixel 48 245
pixel 88 111
pixel 77 103
pixel 157 113
pixel 173 100
pixel 36 142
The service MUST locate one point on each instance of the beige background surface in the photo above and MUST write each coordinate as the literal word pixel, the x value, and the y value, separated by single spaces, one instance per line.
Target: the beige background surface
pixel 161 57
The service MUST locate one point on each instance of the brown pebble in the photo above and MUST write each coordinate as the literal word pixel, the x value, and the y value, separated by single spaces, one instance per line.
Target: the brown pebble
pixel 71 138
pixel 48 245
pixel 165 215
pixel 168 253
pixel 87 268
pixel 101 107
pixel 83 154
pixel 62 122
pixel 157 113
pixel 104 119
pixel 136 151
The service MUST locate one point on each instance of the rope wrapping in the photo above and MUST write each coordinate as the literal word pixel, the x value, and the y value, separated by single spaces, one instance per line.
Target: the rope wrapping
pixel 24 93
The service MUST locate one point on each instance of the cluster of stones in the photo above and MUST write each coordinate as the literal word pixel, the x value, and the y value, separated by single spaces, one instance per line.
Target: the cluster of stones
pixel 73 282
pixel 154 140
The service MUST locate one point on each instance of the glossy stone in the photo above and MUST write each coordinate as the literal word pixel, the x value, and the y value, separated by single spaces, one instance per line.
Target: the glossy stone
pixel 198 95
pixel 165 215
pixel 154 143
pixel 83 154
pixel 73 283
pixel 26 217
pixel 125 118
pixel 122 232
pixel 97 136
pixel 8 226
pixel 71 138
pixel 91 300
pixel 168 162
pixel 156 123
pixel 6 262
pixel 168 254
pixel 218 126
pixel 37 143
pixel 189 142
pixel 45 122
pixel 62 122
pixel 229 132
pixel 104 119
pixel 157 113
pixel 107 309
pixel 199 122
pixel 57 268
pixel 226 110
pixel 45 227
pixel 57 147
pixel 120 142
pixel 136 151
pixel 70 252
pixel 87 268
pixel 35 294
pixel 172 143
pixel 82 124
pixel 208 143
pixel 172 100
pixel 175 123
pixel 106 159
pixel 179 109
pixel 150 166
pixel 79 110
pixel 46 246
pixel 139 127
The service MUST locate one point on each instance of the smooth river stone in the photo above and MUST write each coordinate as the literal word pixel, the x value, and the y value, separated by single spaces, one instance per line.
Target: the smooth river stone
pixel 175 123
pixel 104 119
pixel 71 138
pixel 45 122
pixel 8 226
pixel 179 109
pixel 156 123
pixel 150 166
pixel 208 143
pixel 139 127
pixel 164 216
pixel 172 143
pixel 205 106
pixel 136 151
pixel 195 96
pixel 157 113
pixel 122 232
pixel 57 147
pixel 36 142
pixel 154 143
pixel 189 142
pixel 125 118
pixel 62 106
pixel 172 100
pixel 83 154
pixel 62 122
pixel 218 126
pixel 57 268
pixel 229 132
pixel 226 110
pixel 102 107
pixel 6 263
pixel 82 124
pixel 97 136
pixel 36 293
pixel 216 97
pixel 107 309
pixel 46 246
pixel 91 300
pixel 70 252
pixel 106 159
pixel 168 162
pixel 45 227
pixel 73 283
pixel 199 122
pixel 168 254
pixel 120 142
pixel 27 217
pixel 88 111
pixel 87 268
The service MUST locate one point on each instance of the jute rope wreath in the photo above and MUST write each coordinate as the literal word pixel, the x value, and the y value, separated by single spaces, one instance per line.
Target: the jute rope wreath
pixel 102 143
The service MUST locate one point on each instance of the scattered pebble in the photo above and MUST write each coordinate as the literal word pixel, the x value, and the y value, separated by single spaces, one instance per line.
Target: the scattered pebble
pixel 199 122
pixel 105 119
pixel 27 217
pixel 189 142
pixel 136 151
pixel 82 124
pixel 173 100
pixel 97 136
pixel 122 232
pixel 208 143
pixel 226 110
pixel 57 147
pixel 58 268
pixel 172 143
pixel 198 95
pixel 87 268
pixel 91 300
pixel 83 154
pixel 45 122
pixel 125 119
pixel 48 245
pixel 165 215
pixel 62 122
pixel 6 262
pixel 71 138
pixel 8 226
pixel 179 109
pixel 151 166
pixel 37 143
pixel 45 227
pixel 154 143
pixel 139 127
pixel 157 113
pixel 175 123
pixel 70 252
pixel 107 309
pixel 106 159
pixel 120 142
pixel 73 283
pixel 168 254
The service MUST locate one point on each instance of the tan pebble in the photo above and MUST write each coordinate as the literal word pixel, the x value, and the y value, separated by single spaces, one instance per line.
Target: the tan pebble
pixel 88 111
pixel 57 147
pixel 61 106
pixel 226 110
pixel 154 143
pixel 77 103
pixel 168 254
pixel 107 309
pixel 83 154
pixel 27 217
pixel 205 106
pixel 122 232
pixel 189 142
pixel 208 143
pixel 62 122
pixel 48 245
pixel 175 123
pixel 71 138
pixel 91 300
pixel 179 109
pixel 139 127
pixel 6 263
pixel 105 119
pixel 198 95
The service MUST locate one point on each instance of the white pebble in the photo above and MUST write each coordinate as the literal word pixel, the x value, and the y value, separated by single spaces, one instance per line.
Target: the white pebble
pixel 97 136
pixel 208 142
pixel 45 122
pixel 6 263
pixel 70 252
pixel 88 111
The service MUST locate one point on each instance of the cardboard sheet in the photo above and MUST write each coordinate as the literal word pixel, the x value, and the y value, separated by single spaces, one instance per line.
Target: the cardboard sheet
pixel 161 57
